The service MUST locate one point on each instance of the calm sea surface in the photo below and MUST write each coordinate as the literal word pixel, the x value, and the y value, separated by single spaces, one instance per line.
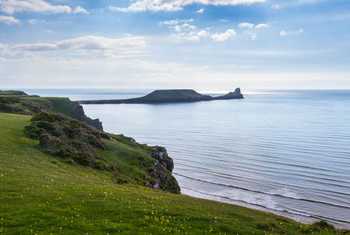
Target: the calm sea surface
pixel 282 151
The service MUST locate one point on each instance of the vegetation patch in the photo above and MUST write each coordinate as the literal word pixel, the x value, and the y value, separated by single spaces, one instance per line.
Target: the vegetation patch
pixel 68 139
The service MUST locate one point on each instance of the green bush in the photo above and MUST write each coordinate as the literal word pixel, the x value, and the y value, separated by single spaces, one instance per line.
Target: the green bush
pixel 68 139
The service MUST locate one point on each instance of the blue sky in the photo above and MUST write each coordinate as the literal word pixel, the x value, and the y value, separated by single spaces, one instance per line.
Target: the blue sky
pixel 202 44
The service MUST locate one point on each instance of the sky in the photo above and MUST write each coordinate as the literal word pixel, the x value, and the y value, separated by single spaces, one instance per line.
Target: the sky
pixel 213 45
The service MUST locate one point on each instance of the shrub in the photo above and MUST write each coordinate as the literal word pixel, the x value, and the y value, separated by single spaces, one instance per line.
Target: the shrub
pixel 68 139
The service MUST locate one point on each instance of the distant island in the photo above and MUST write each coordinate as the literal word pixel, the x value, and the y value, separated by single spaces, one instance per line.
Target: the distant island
pixel 169 96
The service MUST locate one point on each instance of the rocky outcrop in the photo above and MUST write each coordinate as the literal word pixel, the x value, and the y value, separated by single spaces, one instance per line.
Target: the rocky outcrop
pixel 169 96
pixel 162 170
pixel 79 114
pixel 231 95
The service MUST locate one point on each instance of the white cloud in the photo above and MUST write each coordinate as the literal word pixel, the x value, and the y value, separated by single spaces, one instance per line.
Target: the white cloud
pixel 200 11
pixel 176 22
pixel 203 33
pixel 177 5
pixel 80 10
pixel 262 26
pixel 194 36
pixel 101 43
pixel 285 33
pixel 39 6
pixel 185 31
pixel 186 27
pixel 86 45
pixel 252 29
pixel 246 25
pixel 222 37
pixel 9 20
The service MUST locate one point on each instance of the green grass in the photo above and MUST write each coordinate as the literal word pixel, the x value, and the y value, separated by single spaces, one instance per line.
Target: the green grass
pixel 61 105
pixel 43 195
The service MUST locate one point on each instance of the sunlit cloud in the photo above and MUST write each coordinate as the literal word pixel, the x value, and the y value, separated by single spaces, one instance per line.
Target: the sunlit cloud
pixel 9 20
pixel 185 30
pixel 38 6
pixel 252 29
pixel 81 46
pixel 177 5
pixel 222 37
pixel 200 11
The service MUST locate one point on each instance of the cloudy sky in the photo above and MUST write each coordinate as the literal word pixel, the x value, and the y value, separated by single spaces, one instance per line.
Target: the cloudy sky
pixel 202 44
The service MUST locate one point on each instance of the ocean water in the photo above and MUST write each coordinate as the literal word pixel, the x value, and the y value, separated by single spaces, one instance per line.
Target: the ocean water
pixel 283 151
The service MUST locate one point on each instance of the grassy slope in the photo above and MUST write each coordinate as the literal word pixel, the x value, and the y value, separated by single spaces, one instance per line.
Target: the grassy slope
pixel 42 195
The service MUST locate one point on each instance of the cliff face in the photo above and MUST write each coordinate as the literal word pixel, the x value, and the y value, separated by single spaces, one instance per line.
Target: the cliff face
pixel 169 96
pixel 162 170
pixel 77 112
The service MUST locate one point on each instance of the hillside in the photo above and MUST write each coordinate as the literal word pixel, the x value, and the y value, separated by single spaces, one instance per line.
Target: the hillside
pixel 43 194
pixel 169 96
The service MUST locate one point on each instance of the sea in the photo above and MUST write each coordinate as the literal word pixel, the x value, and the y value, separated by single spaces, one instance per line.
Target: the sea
pixel 282 151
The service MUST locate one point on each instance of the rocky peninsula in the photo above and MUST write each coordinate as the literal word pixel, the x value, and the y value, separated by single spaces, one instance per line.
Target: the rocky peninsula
pixel 169 96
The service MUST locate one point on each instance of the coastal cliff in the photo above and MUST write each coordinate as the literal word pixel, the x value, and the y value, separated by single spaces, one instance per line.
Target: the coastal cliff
pixel 21 103
pixel 169 96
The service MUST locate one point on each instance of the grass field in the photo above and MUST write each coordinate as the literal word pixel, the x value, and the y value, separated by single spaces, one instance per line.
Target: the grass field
pixel 40 194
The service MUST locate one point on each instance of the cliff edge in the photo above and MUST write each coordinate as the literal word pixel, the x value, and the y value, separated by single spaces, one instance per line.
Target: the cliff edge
pixel 19 102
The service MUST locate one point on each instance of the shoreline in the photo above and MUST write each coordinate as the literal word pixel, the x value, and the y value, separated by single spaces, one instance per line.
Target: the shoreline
pixel 304 219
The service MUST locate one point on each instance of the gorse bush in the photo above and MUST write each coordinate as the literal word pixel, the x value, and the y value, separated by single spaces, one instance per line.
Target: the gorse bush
pixel 68 139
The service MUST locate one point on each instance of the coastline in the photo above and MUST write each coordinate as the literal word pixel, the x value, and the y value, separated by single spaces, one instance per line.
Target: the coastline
pixel 300 218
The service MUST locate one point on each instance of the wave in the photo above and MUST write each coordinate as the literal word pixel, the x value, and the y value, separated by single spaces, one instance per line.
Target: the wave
pixel 274 209
pixel 272 171
pixel 266 193
pixel 266 182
